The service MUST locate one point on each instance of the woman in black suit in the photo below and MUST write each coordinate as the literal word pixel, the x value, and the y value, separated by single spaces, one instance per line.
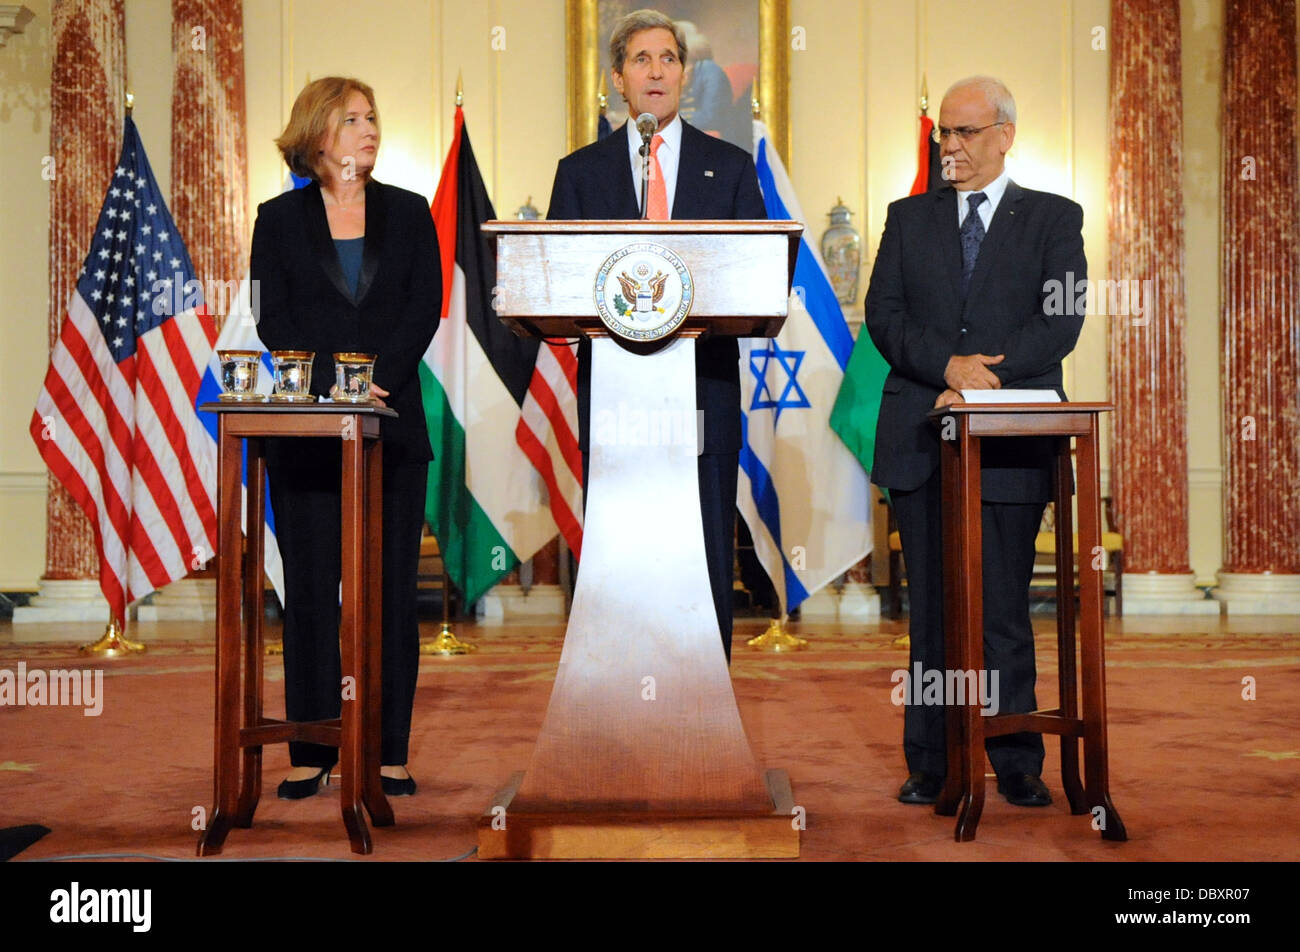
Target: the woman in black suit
pixel 346 264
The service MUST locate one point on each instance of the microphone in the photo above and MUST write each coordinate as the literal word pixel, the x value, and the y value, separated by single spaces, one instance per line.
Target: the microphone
pixel 646 124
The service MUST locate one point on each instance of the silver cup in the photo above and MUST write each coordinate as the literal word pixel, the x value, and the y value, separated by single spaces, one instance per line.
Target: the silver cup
pixel 352 375
pixel 292 376
pixel 239 369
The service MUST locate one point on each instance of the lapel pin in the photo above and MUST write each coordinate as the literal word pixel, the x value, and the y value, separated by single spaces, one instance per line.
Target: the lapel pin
pixel 708 173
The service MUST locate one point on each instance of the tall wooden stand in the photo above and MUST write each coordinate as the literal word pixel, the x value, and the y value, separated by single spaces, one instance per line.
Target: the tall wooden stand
pixel 963 426
pixel 243 728
pixel 642 752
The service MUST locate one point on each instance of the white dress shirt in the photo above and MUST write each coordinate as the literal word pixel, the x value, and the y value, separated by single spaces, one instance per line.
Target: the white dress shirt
pixel 992 195
pixel 669 156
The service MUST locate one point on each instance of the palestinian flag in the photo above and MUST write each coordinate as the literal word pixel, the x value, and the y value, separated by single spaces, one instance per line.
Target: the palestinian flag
pixel 857 406
pixel 486 502
pixel 928 171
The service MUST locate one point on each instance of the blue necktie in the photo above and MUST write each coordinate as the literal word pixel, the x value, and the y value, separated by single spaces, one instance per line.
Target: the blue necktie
pixel 972 233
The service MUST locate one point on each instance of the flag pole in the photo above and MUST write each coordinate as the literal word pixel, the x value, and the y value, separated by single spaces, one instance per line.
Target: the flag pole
pixel 904 640
pixel 113 643
pixel 446 643
pixel 776 638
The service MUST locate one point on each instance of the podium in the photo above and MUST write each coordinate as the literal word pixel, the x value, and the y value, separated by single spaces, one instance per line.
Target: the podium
pixel 241 728
pixel 642 753
pixel 962 426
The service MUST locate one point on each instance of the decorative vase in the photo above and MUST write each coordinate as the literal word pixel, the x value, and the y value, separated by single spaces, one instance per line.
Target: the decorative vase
pixel 842 252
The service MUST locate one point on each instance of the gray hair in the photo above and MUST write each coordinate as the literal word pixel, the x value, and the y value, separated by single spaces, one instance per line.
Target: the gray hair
pixel 634 23
pixel 994 90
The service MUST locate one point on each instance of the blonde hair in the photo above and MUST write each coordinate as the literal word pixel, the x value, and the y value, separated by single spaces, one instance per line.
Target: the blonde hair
pixel 309 121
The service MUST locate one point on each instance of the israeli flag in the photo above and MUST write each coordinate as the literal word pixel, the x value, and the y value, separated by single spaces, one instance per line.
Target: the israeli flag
pixel 239 332
pixel 804 496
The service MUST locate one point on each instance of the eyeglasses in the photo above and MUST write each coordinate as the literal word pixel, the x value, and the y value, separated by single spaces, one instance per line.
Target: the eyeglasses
pixel 965 133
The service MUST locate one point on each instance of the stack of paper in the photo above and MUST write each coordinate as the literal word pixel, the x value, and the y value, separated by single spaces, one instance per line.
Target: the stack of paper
pixel 1010 396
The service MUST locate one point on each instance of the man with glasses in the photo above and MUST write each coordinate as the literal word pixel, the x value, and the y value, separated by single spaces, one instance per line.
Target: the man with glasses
pixel 956 302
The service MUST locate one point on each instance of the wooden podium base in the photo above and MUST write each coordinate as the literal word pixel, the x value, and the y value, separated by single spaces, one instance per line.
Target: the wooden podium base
pixel 587 835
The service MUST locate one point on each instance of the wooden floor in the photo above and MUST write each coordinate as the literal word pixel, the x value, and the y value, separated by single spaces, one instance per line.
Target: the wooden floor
pixel 1199 770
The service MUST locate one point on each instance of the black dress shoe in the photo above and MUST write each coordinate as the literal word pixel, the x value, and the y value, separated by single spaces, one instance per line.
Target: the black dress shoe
pixel 301 789
pixel 397 786
pixel 920 788
pixel 1024 790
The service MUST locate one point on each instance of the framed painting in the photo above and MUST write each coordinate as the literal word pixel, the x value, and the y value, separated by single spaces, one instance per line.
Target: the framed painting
pixel 737 50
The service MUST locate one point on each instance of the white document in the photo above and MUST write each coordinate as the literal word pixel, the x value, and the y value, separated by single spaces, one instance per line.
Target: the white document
pixel 1010 396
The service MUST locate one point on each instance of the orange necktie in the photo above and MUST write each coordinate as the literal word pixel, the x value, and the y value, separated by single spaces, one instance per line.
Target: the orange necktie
pixel 657 202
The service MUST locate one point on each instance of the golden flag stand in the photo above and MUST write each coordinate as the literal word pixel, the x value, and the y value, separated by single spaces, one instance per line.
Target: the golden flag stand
pixel 113 643
pixel 446 643
pixel 776 638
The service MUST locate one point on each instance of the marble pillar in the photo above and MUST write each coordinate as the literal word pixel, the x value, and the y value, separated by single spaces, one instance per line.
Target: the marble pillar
pixel 1144 303
pixel 87 109
pixel 1259 327
pixel 209 201
pixel 209 180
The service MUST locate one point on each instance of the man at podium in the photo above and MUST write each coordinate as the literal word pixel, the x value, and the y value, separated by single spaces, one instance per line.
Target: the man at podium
pixel 692 176
pixel 957 302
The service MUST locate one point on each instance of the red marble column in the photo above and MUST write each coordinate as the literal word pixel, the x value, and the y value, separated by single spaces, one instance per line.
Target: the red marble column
pixel 1261 283
pixel 209 180
pixel 1148 365
pixel 87 104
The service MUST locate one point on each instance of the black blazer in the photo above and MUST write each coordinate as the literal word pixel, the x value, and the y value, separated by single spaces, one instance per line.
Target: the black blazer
pixel 303 302
pixel 917 319
pixel 715 179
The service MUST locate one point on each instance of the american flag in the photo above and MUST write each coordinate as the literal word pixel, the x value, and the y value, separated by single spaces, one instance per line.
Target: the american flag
pixel 547 433
pixel 239 332
pixel 115 420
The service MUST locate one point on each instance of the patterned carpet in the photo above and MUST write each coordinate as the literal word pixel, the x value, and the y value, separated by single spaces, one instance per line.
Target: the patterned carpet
pixel 1199 771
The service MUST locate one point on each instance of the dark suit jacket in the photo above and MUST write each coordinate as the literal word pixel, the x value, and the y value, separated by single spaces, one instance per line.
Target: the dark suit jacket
pixel 303 302
pixel 917 319
pixel 595 182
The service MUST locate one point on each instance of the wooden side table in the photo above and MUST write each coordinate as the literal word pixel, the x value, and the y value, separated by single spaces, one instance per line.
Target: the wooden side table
pixel 961 429
pixel 243 728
